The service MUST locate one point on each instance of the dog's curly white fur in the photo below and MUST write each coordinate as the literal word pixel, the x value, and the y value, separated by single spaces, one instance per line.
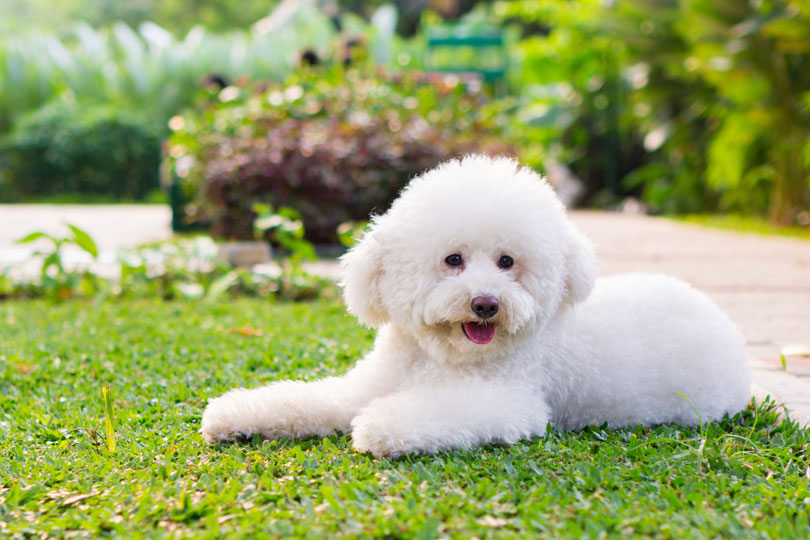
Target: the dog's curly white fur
pixel 492 325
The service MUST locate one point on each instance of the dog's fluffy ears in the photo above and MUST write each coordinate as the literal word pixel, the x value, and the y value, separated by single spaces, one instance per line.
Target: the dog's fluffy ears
pixel 580 267
pixel 361 269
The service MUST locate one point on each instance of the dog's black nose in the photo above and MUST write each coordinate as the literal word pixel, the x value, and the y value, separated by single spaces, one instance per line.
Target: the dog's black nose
pixel 484 306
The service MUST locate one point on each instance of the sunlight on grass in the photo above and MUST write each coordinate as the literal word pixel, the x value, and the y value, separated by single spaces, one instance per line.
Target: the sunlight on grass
pixel 744 224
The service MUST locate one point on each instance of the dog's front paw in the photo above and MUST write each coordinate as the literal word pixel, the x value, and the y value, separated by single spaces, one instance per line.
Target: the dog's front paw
pixel 370 436
pixel 224 421
pixel 385 432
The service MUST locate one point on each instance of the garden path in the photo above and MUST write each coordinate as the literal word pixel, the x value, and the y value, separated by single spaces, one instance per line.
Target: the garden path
pixel 762 282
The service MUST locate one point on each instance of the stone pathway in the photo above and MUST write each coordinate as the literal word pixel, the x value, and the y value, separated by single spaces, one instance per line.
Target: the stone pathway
pixel 763 282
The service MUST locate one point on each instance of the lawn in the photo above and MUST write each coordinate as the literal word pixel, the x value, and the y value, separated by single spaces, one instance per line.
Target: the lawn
pixel 745 477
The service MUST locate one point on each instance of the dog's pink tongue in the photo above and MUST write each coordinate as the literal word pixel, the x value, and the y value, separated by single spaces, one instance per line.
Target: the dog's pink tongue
pixel 479 333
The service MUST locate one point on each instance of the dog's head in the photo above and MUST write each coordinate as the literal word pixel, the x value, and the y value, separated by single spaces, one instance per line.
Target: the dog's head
pixel 473 255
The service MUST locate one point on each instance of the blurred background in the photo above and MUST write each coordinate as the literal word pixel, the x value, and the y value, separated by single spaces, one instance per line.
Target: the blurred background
pixel 329 106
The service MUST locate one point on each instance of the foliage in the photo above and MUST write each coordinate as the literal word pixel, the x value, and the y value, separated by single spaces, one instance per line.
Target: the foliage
pixel 56 282
pixel 187 268
pixel 191 269
pixel 568 78
pixel 694 106
pixel 148 69
pixel 742 75
pixel 69 149
pixel 705 104
pixel 175 15
pixel 744 477
pixel 287 231
pixel 179 16
pixel 333 143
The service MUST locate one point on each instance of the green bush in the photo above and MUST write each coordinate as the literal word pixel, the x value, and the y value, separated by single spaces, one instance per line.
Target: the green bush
pixel 728 82
pixel 335 145
pixel 81 149
pixel 693 106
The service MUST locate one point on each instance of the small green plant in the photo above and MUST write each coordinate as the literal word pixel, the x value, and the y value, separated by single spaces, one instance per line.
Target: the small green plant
pixel 57 282
pixel 285 228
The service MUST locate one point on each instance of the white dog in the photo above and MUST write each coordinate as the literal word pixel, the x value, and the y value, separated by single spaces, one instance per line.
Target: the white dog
pixel 491 326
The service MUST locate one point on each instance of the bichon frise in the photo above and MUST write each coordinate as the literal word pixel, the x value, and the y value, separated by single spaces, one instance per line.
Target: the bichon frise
pixel 492 325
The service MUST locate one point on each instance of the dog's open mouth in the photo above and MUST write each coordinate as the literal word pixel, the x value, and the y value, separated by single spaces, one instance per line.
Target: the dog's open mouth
pixel 478 333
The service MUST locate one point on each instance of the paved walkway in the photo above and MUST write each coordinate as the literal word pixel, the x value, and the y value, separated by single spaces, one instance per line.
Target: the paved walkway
pixel 762 282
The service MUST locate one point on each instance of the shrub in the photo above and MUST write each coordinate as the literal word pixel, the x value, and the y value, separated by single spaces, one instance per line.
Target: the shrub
pixel 694 106
pixel 335 145
pixel 87 149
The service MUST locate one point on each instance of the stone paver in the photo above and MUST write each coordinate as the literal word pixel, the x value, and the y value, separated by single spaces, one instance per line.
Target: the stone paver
pixel 762 282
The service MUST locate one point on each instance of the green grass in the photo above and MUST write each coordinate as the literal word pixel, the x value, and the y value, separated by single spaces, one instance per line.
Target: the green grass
pixel 745 477
pixel 746 224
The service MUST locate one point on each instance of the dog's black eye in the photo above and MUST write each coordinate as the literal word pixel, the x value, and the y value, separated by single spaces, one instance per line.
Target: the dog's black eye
pixel 454 259
pixel 505 261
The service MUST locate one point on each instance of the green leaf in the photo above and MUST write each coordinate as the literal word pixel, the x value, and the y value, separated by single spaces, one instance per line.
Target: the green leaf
pixel 33 236
pixel 290 213
pixel 84 241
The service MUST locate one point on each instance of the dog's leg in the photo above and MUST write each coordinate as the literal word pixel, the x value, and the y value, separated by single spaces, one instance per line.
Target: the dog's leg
pixel 300 409
pixel 282 409
pixel 426 420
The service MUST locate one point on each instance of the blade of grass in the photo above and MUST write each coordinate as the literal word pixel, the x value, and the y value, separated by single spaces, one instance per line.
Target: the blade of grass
pixel 108 418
